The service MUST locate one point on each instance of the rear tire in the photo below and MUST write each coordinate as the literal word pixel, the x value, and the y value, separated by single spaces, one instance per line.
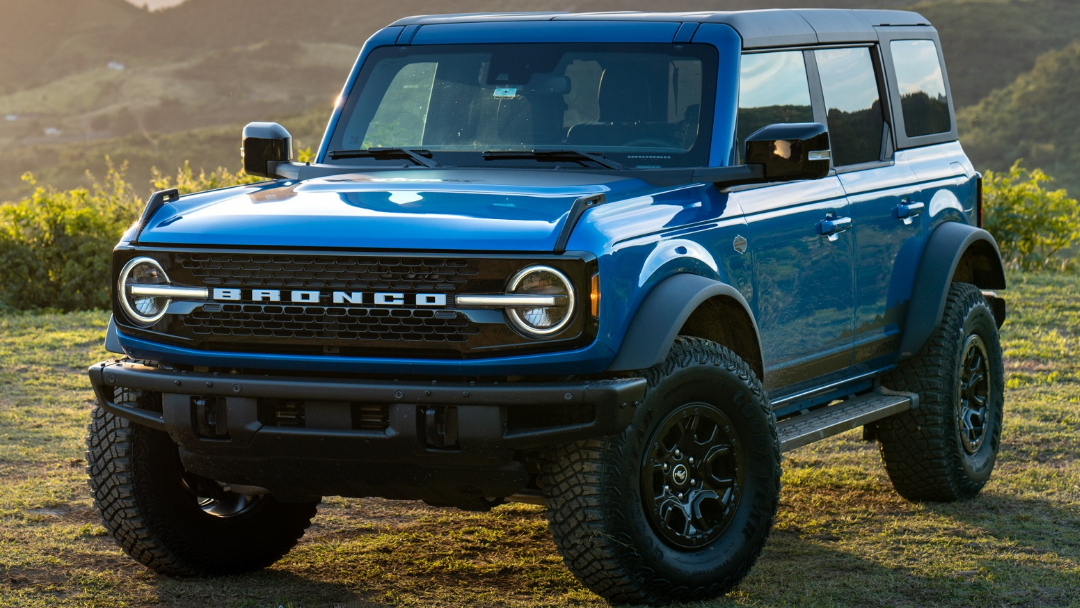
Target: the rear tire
pixel 154 511
pixel 678 506
pixel 945 449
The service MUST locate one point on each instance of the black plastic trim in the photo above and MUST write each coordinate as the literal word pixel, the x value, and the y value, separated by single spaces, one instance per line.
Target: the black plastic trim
pixel 663 314
pixel 944 249
pixel 579 207
pixel 112 341
pixel 157 200
pixel 614 400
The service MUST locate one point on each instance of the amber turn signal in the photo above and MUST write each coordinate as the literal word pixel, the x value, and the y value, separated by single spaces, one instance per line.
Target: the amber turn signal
pixel 594 296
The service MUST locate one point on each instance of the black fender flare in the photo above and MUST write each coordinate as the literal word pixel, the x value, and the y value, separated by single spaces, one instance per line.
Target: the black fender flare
pixel 664 312
pixel 945 249
pixel 112 341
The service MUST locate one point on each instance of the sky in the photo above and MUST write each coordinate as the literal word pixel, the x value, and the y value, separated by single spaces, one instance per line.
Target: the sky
pixel 155 4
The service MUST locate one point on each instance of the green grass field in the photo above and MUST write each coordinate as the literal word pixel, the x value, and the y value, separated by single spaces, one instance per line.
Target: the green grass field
pixel 843 537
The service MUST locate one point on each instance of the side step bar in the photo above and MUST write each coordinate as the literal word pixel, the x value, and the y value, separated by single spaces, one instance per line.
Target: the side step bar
pixel 801 430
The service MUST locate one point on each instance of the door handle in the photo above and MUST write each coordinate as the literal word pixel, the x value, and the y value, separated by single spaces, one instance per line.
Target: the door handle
pixel 832 227
pixel 906 211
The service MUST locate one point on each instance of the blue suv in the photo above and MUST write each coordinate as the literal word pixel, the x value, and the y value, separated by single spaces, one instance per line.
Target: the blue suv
pixel 611 263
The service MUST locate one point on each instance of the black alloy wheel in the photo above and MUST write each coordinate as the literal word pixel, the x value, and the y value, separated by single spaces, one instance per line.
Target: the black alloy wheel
pixel 973 394
pixel 691 480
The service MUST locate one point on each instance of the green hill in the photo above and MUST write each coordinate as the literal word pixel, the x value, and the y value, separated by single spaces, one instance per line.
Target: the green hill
pixel 41 40
pixel 988 43
pixel 1036 118
pixel 208 66
pixel 67 165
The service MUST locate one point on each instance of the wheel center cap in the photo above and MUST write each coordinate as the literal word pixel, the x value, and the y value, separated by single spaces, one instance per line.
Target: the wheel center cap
pixel 679 474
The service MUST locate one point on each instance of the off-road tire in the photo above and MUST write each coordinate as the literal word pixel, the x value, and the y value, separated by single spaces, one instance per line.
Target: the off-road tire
pixel 595 497
pixel 922 449
pixel 135 479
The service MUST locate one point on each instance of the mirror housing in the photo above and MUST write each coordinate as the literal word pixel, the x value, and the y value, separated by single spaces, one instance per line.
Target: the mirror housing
pixel 265 145
pixel 790 151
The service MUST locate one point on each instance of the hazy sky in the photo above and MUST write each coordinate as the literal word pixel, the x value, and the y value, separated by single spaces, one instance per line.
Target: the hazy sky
pixel 155 4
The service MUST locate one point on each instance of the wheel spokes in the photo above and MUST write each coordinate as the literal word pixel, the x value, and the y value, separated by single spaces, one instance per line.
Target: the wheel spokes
pixel 973 390
pixel 691 475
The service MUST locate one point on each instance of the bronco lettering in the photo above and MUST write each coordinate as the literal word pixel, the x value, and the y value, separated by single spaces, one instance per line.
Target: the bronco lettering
pixel 337 297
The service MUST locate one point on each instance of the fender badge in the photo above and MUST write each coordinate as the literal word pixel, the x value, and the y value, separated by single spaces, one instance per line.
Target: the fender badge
pixel 739 244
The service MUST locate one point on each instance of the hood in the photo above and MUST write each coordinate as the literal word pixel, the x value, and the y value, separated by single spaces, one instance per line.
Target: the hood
pixel 439 210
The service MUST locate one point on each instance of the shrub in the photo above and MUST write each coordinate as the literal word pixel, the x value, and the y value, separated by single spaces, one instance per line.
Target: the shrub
pixel 1031 223
pixel 55 247
pixel 187 182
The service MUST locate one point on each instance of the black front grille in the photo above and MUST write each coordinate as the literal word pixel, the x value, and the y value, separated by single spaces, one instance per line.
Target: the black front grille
pixel 359 325
pixel 329 323
pixel 327 272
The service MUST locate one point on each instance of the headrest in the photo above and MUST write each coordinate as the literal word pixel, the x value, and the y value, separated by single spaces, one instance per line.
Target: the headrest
pixel 624 94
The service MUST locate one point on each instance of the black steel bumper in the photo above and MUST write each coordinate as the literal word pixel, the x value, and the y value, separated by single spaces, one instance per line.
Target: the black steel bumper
pixel 437 441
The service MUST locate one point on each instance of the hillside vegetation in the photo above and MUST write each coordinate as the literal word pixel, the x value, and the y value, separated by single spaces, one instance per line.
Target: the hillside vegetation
pixel 73 165
pixel 1036 118
pixel 988 43
pixel 223 63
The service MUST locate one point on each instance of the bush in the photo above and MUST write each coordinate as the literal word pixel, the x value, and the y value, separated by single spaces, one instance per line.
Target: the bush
pixel 1031 223
pixel 55 247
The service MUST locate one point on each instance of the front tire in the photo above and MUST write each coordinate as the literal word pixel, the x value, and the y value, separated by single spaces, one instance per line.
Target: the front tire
pixel 678 506
pixel 171 521
pixel 945 449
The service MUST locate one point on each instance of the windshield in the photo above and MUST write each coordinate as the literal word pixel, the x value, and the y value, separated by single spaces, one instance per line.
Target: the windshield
pixel 642 105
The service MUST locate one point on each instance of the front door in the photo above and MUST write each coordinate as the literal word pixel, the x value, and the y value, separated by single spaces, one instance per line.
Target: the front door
pixel 802 247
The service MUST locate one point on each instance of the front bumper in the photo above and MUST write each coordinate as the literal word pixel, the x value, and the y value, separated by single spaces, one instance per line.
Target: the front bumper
pixel 441 442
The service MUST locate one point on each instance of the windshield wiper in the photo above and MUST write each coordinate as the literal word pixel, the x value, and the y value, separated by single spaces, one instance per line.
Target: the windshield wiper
pixel 554 155
pixel 416 155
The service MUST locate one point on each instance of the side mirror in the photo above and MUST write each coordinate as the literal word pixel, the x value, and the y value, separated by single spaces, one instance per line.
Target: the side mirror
pixel 790 151
pixel 265 143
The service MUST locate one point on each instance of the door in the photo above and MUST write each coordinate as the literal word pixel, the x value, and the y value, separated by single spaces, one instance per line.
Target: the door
pixel 882 194
pixel 800 239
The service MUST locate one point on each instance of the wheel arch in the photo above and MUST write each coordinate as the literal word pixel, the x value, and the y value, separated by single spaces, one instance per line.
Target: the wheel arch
pixel 692 305
pixel 954 252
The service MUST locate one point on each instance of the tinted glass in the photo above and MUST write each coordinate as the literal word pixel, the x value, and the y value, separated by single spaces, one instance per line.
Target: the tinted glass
pixel 856 124
pixel 645 105
pixel 922 87
pixel 773 88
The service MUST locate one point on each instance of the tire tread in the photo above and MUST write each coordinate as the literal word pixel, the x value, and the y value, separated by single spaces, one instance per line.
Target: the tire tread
pixel 579 482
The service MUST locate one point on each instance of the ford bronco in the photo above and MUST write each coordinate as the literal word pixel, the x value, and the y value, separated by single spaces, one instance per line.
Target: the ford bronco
pixel 611 263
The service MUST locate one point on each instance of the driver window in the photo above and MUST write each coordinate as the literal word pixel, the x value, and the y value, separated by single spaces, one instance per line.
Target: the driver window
pixel 773 88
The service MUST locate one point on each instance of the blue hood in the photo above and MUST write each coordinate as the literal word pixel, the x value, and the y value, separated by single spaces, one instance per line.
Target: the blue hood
pixel 476 210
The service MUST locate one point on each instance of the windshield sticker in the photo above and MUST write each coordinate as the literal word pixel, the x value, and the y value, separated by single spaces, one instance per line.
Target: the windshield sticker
pixel 505 93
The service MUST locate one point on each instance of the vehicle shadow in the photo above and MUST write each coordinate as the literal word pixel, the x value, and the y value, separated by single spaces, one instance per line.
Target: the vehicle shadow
pixel 839 547
pixel 266 588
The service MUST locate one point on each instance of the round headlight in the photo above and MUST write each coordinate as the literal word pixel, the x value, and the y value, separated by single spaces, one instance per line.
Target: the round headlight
pixel 542 320
pixel 142 307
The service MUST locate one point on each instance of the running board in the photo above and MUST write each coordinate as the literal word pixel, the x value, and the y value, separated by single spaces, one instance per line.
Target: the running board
pixel 805 429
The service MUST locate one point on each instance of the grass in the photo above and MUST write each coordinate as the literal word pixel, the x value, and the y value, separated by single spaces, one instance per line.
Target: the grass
pixel 842 538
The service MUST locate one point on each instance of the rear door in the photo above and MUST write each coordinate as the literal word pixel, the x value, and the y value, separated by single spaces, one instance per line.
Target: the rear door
pixel 881 191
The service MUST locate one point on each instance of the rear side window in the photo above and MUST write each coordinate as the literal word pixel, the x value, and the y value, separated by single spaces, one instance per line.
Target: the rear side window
pixel 922 87
pixel 773 88
pixel 856 123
